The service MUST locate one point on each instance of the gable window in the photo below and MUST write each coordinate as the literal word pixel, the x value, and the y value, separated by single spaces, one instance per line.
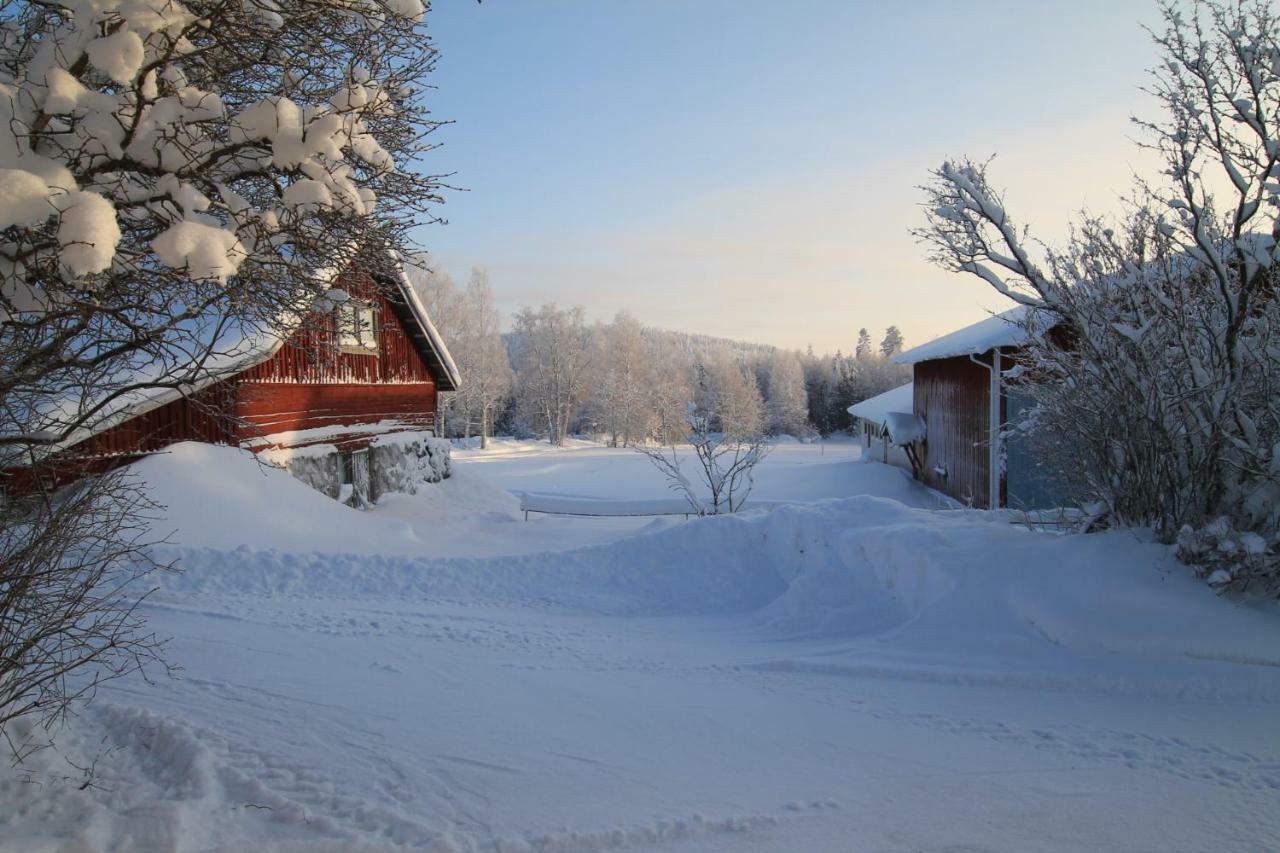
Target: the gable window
pixel 357 328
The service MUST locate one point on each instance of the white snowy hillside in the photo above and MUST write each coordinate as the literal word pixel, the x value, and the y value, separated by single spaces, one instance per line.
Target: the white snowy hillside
pixel 859 667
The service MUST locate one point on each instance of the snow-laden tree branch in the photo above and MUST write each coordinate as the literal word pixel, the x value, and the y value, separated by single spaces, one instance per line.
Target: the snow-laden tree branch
pixel 164 162
pixel 969 231
pixel 1159 393
pixel 179 180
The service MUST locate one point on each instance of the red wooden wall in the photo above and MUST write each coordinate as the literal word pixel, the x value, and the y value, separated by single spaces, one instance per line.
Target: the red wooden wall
pixel 312 356
pixel 951 396
pixel 310 384
pixel 307 384
pixel 265 409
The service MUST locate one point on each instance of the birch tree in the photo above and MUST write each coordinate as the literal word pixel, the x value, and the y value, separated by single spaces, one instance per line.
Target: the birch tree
pixel 788 404
pixel 486 369
pixel 623 382
pixel 551 352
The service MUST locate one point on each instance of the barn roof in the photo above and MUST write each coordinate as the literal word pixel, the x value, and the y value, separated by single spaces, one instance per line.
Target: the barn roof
pixel 876 409
pixel 1008 329
pixel 435 352
pixel 229 350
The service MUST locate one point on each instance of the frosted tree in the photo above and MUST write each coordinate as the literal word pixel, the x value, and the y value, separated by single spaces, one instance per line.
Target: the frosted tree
pixel 820 391
pixel 471 323
pixel 863 348
pixel 446 305
pixel 1159 388
pixel 622 382
pixel 671 390
pixel 788 404
pixel 551 351
pixel 892 343
pixel 486 370
pixel 439 293
pixel 724 428
pixel 174 177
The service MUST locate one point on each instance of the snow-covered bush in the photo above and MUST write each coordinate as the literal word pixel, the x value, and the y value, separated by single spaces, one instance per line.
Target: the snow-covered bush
pixel 74 567
pixel 322 472
pixel 1159 389
pixel 406 464
pixel 1229 559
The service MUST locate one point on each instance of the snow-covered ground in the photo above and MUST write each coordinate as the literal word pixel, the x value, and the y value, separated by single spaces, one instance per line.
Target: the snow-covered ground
pixel 855 670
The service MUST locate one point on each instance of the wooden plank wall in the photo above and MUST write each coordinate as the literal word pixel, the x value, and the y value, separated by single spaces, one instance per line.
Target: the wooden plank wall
pixel 951 395
pixel 266 408
pixel 310 384
pixel 202 417
pixel 311 355
pixel 307 384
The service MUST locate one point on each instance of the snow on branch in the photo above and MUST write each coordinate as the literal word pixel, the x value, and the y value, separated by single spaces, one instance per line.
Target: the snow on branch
pixel 163 158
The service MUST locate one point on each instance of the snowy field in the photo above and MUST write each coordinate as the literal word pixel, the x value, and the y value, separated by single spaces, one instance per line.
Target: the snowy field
pixel 856 670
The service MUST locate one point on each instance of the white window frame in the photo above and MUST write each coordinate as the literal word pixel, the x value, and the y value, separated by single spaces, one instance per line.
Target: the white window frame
pixel 357 327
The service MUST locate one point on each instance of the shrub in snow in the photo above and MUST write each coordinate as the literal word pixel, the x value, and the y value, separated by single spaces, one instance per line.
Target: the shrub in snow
pixel 1230 559
pixel 322 472
pixel 74 567
pixel 725 428
pixel 406 465
pixel 1159 392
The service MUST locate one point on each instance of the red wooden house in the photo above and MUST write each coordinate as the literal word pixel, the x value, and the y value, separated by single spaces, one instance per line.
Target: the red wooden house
pixel 963 395
pixel 373 365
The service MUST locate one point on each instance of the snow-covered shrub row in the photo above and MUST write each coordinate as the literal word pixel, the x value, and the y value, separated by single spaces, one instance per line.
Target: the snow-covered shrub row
pixel 398 462
pixel 322 472
pixel 1229 559
pixel 405 462
pixel 1159 391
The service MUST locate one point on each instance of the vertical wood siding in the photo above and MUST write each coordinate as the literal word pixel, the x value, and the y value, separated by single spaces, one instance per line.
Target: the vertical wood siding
pixel 267 409
pixel 311 356
pixel 951 395
pixel 307 384
pixel 202 417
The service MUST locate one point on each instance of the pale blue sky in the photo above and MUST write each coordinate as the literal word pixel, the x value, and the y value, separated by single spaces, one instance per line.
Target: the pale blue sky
pixel 748 169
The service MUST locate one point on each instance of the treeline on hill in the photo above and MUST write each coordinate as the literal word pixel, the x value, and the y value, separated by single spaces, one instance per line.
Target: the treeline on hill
pixel 554 374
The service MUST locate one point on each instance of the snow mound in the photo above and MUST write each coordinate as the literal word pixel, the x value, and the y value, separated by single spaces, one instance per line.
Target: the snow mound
pixel 863 568
pixel 867 569
pixel 211 492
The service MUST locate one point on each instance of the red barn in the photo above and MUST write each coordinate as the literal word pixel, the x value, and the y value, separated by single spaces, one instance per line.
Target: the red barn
pixel 964 398
pixel 374 365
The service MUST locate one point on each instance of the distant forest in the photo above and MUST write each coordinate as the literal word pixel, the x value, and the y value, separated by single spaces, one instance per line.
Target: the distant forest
pixel 554 374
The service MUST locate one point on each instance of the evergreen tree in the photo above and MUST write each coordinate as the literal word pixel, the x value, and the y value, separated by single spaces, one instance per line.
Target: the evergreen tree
pixel 863 350
pixel 892 343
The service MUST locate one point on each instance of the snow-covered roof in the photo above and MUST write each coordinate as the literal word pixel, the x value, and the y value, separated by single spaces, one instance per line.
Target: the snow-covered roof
pixel 238 349
pixel 445 361
pixel 904 428
pixel 877 408
pixel 1008 329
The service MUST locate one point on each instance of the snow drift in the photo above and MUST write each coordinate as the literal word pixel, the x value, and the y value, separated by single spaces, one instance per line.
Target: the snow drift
pixel 862 568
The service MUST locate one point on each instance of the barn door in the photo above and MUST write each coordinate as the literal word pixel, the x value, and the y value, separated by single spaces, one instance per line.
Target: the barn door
pixel 360 478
